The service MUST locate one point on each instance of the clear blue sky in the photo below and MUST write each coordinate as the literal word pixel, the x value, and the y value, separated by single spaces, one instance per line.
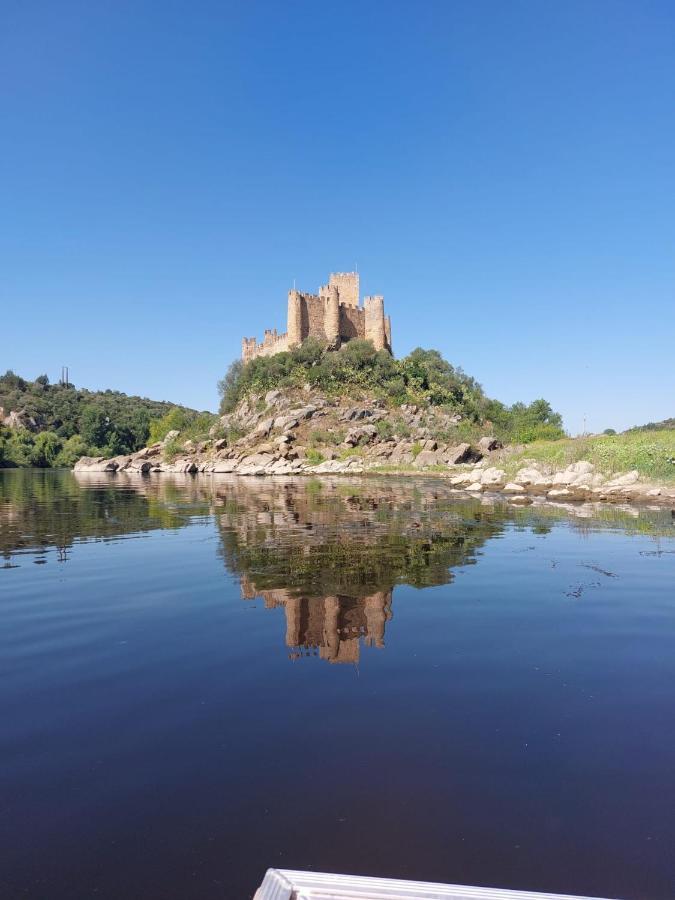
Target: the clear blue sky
pixel 504 173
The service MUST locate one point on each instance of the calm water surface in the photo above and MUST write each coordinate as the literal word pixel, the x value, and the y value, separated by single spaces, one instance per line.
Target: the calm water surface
pixel 202 678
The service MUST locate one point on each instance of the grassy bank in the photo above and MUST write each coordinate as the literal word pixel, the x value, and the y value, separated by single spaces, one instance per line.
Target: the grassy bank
pixel 652 453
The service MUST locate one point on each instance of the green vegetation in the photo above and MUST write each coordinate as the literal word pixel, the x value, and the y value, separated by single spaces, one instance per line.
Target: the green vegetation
pixel 385 429
pixel 314 456
pixel 172 449
pixel 191 425
pixel 65 423
pixel 320 437
pixel 665 425
pixel 652 453
pixel 422 378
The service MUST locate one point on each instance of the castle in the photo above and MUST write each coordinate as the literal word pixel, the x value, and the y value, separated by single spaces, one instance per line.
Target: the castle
pixel 334 315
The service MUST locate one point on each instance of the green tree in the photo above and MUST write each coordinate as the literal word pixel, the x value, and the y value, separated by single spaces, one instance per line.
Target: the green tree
pixel 537 421
pixel 45 450
pixel 230 386
pixel 95 426
pixel 19 447
pixel 139 423
pixel 73 449
pixel 11 381
pixel 121 440
pixel 4 461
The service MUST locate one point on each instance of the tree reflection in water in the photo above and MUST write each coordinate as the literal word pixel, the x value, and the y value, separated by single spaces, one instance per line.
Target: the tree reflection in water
pixel 329 552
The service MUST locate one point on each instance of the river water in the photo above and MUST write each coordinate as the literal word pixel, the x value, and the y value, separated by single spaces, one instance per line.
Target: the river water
pixel 204 677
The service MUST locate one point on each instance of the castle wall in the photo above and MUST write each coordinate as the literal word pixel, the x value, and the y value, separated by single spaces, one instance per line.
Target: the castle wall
pixel 352 322
pixel 272 343
pixel 313 317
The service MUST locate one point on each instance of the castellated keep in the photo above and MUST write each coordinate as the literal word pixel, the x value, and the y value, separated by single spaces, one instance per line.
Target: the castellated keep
pixel 334 315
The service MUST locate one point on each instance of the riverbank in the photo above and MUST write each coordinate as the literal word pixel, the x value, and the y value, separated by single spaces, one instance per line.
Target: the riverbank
pixel 577 483
pixel 304 433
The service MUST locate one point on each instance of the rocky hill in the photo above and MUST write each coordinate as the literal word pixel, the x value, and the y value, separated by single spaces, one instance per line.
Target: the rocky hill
pixel 293 431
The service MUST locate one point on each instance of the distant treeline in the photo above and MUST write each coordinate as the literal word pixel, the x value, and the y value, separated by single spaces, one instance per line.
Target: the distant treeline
pixel 56 424
pixel 665 425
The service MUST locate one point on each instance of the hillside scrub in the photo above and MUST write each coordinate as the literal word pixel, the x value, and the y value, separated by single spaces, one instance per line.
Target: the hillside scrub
pixel 61 423
pixel 665 425
pixel 422 378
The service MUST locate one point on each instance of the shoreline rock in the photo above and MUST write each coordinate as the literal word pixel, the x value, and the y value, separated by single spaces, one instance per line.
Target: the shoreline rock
pixel 571 485
pixel 304 433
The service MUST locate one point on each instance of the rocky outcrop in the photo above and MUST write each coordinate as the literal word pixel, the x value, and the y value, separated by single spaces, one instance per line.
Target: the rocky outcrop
pixel 19 420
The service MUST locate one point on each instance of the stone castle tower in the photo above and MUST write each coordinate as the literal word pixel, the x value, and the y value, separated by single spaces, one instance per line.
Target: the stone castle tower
pixel 334 315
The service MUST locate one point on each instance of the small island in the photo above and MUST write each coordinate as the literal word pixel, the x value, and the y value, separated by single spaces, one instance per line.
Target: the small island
pixel 327 396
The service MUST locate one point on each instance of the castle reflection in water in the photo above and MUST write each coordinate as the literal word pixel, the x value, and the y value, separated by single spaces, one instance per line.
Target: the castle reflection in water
pixel 331 627
pixel 328 552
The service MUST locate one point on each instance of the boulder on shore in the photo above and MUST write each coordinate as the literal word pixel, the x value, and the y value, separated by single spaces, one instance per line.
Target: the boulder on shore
pixel 95 464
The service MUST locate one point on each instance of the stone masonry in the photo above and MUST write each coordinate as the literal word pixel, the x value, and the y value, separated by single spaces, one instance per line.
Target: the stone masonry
pixel 334 315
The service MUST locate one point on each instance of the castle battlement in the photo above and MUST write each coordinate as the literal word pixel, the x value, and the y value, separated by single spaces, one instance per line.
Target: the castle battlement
pixel 334 315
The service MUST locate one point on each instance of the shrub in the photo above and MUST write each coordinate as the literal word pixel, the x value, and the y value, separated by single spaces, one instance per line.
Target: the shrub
pixel 323 436
pixel 401 429
pixel 385 429
pixel 190 424
pixel 175 420
pixel 172 449
pixel 231 435
pixel 423 378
